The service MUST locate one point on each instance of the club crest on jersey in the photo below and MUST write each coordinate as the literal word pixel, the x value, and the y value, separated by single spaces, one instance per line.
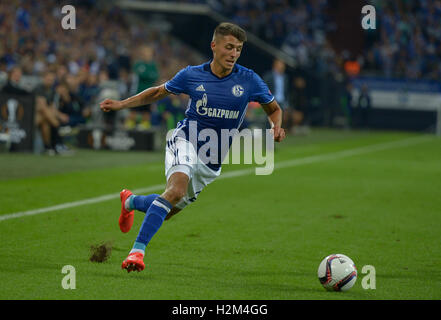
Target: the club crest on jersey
pixel 237 90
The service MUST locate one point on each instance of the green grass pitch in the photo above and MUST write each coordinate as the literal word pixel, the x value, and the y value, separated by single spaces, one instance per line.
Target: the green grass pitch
pixel 246 237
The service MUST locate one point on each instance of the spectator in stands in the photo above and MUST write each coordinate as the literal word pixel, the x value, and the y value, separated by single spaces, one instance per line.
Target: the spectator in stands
pixel 125 83
pixel 173 110
pixel 82 58
pixel 147 73
pixel 61 72
pixel 47 118
pixel 145 122
pixel 278 83
pixel 89 89
pixel 13 83
pixel 364 106
pixel 131 121
pixel 45 114
pixel 3 70
pixel 408 40
pixel 146 69
pixel 299 116
pixel 70 108
pixel 352 67
pixel 346 103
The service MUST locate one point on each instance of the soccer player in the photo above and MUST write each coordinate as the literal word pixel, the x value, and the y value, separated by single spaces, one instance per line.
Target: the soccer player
pixel 219 91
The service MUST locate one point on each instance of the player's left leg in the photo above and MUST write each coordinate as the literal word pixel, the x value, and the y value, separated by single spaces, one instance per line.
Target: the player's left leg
pixel 129 203
pixel 184 184
pixel 141 203
pixel 161 206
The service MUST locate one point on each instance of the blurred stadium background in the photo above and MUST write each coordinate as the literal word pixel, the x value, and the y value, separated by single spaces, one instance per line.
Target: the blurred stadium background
pixel 335 74
pixel 359 172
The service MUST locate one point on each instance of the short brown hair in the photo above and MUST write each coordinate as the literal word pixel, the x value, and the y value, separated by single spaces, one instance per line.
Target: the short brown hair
pixel 227 29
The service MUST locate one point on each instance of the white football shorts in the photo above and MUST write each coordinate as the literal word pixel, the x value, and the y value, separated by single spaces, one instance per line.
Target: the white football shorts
pixel 181 156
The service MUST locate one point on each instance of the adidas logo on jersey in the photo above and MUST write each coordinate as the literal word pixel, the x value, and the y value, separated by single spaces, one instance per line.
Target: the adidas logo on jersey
pixel 200 88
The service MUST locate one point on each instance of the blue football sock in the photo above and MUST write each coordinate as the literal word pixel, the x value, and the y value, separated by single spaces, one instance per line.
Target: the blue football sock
pixel 153 220
pixel 142 203
pixel 138 247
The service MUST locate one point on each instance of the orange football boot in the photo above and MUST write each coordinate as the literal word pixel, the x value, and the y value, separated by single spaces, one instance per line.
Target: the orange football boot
pixel 126 218
pixel 134 262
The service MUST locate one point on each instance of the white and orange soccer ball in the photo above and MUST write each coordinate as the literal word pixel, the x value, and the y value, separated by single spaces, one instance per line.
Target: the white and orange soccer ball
pixel 337 272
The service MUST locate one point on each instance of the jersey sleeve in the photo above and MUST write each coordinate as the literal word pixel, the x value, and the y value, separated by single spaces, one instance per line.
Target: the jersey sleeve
pixel 178 84
pixel 259 90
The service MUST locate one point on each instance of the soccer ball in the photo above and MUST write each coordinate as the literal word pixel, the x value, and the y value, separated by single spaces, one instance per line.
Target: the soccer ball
pixel 337 272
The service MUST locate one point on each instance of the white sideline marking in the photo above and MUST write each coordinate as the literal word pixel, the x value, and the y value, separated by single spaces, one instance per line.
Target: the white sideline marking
pixel 78 203
pixel 235 173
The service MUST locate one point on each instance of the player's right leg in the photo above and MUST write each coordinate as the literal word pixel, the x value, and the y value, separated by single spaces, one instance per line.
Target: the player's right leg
pixel 176 189
pixel 172 212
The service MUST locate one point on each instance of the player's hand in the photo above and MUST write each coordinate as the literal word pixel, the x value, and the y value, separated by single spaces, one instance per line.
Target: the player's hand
pixel 111 105
pixel 279 134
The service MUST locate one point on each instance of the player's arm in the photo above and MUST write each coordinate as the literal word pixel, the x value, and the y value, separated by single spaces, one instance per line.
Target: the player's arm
pixel 274 113
pixel 147 96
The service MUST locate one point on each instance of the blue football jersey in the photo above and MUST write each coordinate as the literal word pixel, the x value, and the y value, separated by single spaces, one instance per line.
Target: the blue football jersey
pixel 217 103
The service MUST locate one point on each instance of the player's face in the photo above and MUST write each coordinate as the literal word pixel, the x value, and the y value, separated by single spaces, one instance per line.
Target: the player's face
pixel 226 51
